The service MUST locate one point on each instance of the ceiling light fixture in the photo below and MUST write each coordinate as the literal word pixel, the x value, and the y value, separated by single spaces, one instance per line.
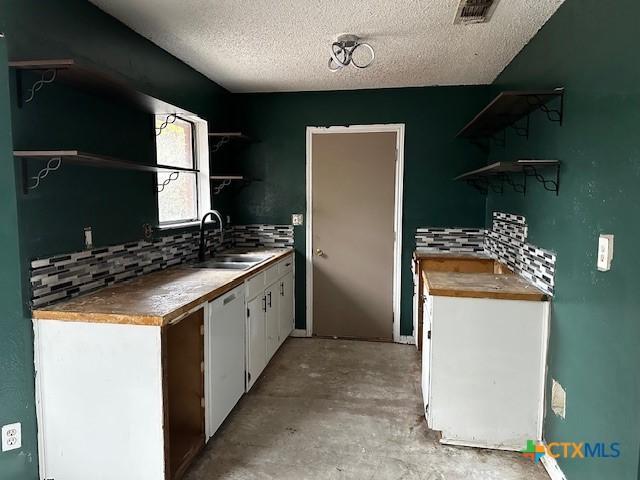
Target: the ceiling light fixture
pixel 342 51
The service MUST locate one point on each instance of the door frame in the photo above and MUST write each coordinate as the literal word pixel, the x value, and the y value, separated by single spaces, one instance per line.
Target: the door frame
pixel 398 129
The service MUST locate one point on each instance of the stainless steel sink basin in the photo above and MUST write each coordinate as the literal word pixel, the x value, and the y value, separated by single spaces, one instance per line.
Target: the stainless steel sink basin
pixel 242 258
pixel 235 261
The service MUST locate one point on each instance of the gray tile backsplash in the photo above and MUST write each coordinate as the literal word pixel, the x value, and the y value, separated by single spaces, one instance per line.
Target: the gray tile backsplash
pixel 505 241
pixel 69 275
pixel 450 239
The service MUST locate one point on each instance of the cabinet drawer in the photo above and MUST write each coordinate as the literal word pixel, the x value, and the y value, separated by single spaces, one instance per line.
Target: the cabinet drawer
pixel 271 274
pixel 285 266
pixel 255 286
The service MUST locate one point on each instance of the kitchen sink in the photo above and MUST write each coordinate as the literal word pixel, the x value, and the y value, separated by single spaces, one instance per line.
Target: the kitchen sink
pixel 234 261
pixel 242 258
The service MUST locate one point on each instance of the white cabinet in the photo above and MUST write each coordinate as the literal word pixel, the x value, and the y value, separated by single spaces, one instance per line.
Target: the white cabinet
pixel 269 315
pixel 272 294
pixel 226 334
pixel 286 306
pixel 256 338
pixel 426 353
pixel 484 370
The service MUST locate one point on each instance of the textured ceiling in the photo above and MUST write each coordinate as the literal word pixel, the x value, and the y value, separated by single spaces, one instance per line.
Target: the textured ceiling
pixel 283 45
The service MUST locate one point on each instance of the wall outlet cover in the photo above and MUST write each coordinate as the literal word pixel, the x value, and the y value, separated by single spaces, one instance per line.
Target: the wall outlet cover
pixel 88 238
pixel 297 219
pixel 11 437
pixel 605 252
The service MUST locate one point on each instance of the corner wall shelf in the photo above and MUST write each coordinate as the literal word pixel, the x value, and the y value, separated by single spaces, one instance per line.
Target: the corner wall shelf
pixel 91 79
pixel 56 157
pixel 225 137
pixel 508 109
pixel 494 176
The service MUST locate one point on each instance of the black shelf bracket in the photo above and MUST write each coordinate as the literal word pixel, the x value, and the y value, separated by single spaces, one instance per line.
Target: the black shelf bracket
pixel 223 141
pixel 553 114
pixel 32 183
pixel 517 187
pixel 46 77
pixel 551 185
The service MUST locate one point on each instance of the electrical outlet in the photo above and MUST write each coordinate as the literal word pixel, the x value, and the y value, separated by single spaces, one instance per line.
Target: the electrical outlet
pixel 88 238
pixel 297 219
pixel 605 252
pixel 11 437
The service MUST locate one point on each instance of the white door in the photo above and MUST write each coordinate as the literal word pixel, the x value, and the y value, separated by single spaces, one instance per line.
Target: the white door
pixel 226 367
pixel 286 306
pixel 273 319
pixel 257 346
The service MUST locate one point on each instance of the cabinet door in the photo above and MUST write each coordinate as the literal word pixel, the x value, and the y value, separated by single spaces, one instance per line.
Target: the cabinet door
pixel 273 319
pixel 227 358
pixel 286 306
pixel 427 307
pixel 257 336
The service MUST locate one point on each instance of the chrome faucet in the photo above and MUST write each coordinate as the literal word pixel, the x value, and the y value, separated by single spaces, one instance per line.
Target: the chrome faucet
pixel 201 255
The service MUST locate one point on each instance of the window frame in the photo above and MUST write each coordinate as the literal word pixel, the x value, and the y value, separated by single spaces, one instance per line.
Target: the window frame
pixel 200 168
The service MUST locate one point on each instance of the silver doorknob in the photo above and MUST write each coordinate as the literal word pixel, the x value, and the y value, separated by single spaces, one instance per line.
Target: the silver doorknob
pixel 319 252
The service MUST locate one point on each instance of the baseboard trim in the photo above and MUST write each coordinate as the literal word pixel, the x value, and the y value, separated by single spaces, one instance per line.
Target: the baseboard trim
pixel 553 469
pixel 406 339
pixel 299 333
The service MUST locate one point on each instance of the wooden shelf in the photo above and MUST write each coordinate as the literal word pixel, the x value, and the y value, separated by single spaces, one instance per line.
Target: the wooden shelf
pixel 493 177
pixel 231 136
pixel 497 168
pixel 508 108
pixel 227 177
pixel 99 82
pixel 77 157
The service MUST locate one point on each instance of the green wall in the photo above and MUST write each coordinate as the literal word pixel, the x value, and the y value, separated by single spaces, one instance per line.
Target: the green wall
pixel 16 352
pixel 595 335
pixel 114 203
pixel 433 156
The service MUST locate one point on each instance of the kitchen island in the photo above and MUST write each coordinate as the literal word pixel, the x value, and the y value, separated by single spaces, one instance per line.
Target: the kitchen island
pixel 484 353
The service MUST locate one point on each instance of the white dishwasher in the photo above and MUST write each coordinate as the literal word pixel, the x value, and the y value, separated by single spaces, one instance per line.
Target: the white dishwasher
pixel 226 334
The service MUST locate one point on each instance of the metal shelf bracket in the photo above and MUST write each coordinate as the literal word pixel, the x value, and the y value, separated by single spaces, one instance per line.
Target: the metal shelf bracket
pixel 553 114
pixel 551 185
pixel 170 118
pixel 172 176
pixel 52 165
pixel 218 188
pixel 46 77
pixel 517 187
pixel 219 144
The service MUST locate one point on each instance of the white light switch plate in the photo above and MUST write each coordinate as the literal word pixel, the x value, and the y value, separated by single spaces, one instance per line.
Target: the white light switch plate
pixel 297 219
pixel 605 252
pixel 11 437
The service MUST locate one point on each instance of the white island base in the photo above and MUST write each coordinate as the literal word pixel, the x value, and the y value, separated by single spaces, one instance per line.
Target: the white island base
pixel 484 366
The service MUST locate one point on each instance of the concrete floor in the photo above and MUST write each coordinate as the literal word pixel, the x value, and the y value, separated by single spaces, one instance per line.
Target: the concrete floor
pixel 335 409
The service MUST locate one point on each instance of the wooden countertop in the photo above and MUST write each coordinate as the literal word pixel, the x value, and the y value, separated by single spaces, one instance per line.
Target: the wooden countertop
pixel 482 285
pixel 157 298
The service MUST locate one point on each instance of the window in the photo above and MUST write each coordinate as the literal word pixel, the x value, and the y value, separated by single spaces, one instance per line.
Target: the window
pixel 181 194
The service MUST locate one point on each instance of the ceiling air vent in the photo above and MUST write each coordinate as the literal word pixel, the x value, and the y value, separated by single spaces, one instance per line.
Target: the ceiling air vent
pixel 475 11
